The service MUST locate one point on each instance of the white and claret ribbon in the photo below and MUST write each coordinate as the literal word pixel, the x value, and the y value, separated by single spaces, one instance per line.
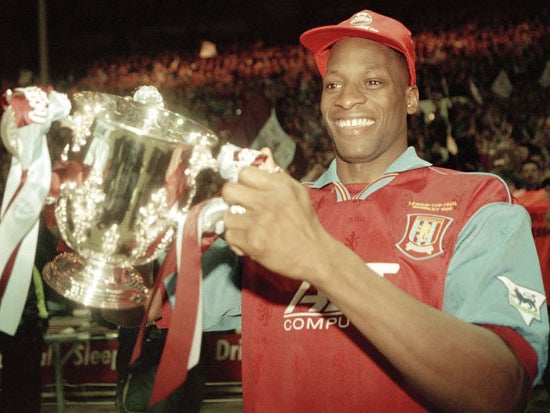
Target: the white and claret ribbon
pixel 183 342
pixel 25 122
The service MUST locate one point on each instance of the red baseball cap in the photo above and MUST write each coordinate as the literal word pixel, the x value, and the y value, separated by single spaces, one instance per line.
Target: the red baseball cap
pixel 364 24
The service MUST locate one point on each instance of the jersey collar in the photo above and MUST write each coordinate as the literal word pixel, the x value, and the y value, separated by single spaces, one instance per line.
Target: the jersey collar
pixel 407 161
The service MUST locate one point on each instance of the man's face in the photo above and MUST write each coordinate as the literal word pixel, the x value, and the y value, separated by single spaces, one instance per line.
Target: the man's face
pixel 531 175
pixel 365 101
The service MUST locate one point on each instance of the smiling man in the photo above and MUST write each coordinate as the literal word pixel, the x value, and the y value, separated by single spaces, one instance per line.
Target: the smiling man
pixel 388 285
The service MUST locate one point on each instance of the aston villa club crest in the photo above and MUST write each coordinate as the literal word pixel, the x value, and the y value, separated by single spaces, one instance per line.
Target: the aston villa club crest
pixel 423 236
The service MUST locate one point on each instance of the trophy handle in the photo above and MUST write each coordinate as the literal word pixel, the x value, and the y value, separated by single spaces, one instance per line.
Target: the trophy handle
pixel 229 163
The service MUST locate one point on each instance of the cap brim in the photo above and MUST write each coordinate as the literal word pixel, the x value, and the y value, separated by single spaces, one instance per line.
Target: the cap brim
pixel 319 40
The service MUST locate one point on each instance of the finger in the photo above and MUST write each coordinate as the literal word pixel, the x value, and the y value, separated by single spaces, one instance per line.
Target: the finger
pixel 252 190
pixel 239 221
pixel 232 237
pixel 237 194
pixel 261 178
pixel 237 250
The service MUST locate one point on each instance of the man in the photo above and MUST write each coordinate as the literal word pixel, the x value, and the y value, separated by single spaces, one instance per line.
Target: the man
pixel 532 174
pixel 388 285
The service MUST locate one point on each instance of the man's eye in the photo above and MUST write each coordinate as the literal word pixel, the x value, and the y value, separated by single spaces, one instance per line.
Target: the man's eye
pixel 372 82
pixel 331 86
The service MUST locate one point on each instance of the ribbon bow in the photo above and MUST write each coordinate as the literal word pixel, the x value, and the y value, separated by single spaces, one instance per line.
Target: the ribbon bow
pixel 27 118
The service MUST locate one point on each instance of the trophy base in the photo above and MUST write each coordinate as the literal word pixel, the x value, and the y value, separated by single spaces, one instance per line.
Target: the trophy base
pixel 94 284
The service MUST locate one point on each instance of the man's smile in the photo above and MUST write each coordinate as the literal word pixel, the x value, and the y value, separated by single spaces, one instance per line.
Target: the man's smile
pixel 354 123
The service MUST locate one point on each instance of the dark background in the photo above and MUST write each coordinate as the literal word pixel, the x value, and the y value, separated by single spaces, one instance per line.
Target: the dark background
pixel 79 31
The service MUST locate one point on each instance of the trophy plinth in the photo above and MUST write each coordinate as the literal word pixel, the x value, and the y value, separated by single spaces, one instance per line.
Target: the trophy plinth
pixel 95 284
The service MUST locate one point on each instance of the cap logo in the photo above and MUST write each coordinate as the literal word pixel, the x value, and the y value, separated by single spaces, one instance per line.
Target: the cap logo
pixel 361 19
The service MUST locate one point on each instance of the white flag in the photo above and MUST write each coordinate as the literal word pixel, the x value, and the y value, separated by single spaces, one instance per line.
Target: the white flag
pixel 208 50
pixel 475 92
pixel 273 136
pixel 502 85
pixel 545 77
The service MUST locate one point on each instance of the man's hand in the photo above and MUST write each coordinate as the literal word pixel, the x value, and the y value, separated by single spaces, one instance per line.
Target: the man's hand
pixel 279 227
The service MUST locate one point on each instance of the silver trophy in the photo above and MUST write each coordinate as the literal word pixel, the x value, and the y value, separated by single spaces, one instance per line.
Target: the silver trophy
pixel 139 168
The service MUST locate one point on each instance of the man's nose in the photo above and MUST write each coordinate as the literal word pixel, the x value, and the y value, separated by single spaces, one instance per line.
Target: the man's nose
pixel 351 96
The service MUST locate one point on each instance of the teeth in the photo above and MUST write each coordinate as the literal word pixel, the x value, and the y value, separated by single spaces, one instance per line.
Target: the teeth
pixel 354 123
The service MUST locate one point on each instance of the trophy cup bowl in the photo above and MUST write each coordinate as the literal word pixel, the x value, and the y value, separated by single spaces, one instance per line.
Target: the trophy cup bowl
pixel 140 163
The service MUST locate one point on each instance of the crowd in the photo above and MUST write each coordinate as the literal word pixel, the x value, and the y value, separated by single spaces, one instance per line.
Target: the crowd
pixel 458 63
pixel 468 119
pixel 458 66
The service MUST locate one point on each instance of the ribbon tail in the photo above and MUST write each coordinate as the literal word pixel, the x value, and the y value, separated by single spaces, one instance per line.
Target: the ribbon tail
pixel 13 301
pixel 164 271
pixel 184 332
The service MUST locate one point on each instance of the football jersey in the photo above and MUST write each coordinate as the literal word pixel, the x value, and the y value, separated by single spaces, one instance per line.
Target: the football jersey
pixel 431 232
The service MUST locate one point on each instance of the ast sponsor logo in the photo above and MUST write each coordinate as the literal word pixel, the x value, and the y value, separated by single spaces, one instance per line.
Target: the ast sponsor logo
pixel 311 310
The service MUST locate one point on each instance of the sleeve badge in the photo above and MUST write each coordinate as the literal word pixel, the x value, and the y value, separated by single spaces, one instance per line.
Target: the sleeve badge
pixel 527 302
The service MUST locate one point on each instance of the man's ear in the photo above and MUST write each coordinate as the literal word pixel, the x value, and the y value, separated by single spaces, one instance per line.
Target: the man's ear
pixel 412 99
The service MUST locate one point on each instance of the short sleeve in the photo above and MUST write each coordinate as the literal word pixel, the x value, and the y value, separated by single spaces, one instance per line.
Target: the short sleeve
pixel 494 277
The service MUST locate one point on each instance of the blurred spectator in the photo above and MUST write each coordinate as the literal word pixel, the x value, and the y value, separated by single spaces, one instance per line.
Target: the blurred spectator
pixel 531 174
pixel 513 179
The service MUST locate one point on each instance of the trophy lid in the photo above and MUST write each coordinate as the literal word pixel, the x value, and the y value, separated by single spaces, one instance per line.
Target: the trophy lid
pixel 144 114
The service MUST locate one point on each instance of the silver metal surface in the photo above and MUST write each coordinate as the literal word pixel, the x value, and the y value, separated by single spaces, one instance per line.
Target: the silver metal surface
pixel 140 166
